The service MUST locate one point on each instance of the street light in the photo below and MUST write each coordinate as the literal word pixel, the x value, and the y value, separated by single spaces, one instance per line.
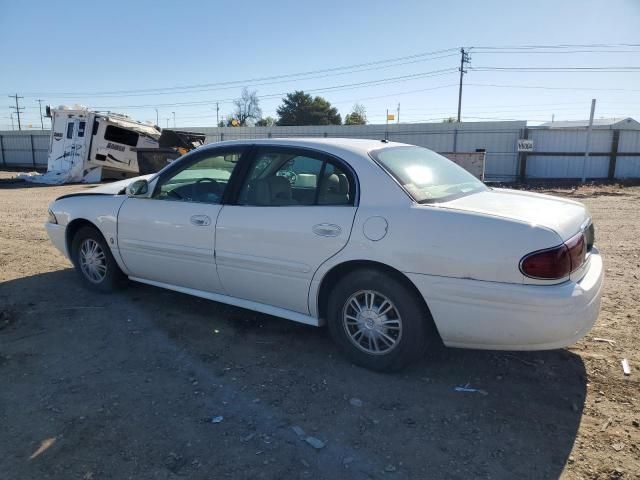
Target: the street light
pixel 174 119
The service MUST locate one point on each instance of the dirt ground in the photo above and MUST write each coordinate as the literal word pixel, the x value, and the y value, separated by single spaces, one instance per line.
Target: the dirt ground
pixel 126 386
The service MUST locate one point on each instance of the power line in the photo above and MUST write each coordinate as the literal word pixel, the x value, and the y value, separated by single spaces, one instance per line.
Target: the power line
pixel 544 87
pixel 557 69
pixel 234 83
pixel 558 46
pixel 348 86
pixel 552 52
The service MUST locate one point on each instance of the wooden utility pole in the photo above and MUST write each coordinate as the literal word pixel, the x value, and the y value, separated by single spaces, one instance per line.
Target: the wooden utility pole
pixel 464 58
pixel 41 120
pixel 17 108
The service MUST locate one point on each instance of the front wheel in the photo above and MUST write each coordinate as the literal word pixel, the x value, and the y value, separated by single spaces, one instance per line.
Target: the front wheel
pixel 378 321
pixel 94 262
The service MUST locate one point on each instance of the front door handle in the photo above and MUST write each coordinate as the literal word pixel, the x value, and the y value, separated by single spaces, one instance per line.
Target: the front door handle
pixel 200 220
pixel 326 230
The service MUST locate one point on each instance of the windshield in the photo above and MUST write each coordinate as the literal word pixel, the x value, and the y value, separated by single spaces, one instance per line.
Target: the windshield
pixel 427 176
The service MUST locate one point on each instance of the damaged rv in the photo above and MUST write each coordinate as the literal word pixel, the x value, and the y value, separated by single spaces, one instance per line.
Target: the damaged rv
pixel 87 146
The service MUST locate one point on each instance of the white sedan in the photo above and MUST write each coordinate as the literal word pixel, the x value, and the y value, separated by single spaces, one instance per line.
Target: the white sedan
pixel 393 246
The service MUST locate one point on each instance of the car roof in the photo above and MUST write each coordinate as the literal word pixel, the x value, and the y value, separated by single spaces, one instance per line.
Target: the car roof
pixel 332 145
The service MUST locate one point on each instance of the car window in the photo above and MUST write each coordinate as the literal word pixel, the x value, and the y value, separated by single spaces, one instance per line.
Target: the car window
pixel 285 178
pixel 427 176
pixel 204 180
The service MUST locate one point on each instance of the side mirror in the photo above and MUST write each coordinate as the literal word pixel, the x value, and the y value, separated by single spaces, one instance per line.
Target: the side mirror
pixel 139 188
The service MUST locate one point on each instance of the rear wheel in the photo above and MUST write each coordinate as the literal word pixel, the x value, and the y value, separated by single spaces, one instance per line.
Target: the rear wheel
pixel 378 321
pixel 94 262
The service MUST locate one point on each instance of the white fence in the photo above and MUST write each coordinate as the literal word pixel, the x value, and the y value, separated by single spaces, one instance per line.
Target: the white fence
pixel 557 153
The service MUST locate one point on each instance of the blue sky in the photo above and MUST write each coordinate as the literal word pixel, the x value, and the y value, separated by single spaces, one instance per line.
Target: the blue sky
pixel 76 52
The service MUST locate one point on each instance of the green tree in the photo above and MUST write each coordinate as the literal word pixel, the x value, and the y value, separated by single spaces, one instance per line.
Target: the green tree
pixel 247 108
pixel 299 108
pixel 266 122
pixel 449 120
pixel 358 115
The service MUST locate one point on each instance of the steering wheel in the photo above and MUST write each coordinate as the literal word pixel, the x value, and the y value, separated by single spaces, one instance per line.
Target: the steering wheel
pixel 196 191
pixel 206 179
pixel 173 193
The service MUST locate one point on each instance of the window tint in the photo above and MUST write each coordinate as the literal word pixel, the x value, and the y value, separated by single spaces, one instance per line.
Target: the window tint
pixel 96 124
pixel 121 135
pixel 285 178
pixel 204 180
pixel 70 129
pixel 81 127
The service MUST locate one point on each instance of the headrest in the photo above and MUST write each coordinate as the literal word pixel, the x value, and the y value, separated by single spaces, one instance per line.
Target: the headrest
pixel 271 191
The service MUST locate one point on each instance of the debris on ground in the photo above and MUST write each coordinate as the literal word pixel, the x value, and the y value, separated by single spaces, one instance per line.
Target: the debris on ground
pixel 315 442
pixel 625 366
pixel 217 419
pixel 607 340
pixel 355 402
pixel 298 430
pixel 468 388
pixel 606 424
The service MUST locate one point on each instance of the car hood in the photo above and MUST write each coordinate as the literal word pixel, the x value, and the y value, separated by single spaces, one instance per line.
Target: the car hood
pixel 565 217
pixel 113 188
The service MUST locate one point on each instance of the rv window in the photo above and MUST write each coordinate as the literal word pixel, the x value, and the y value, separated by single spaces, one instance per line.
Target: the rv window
pixel 81 126
pixel 121 135
pixel 70 130
pixel 95 127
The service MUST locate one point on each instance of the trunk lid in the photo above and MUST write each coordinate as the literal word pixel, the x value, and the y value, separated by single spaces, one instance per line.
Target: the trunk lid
pixel 565 217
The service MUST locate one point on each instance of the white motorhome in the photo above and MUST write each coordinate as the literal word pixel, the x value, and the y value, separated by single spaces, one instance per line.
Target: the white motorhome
pixel 87 146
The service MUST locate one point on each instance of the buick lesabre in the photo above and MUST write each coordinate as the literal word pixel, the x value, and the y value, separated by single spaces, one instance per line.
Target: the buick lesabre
pixel 393 246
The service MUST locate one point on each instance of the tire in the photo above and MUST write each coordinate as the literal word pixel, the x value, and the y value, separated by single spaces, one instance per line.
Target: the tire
pixel 105 276
pixel 408 322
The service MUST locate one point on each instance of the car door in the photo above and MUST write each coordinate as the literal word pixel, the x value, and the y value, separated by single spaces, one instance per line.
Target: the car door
pixel 169 236
pixel 293 211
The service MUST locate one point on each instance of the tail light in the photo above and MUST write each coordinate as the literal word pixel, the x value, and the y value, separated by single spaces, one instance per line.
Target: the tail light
pixel 557 262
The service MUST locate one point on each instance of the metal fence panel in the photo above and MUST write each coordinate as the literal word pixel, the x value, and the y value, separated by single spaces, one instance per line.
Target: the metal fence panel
pixel 27 149
pixel 566 166
pixel 629 141
pixel 569 140
pixel 627 167
pixel 498 139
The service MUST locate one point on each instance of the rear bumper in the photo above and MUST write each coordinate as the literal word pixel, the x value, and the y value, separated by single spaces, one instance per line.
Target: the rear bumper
pixel 500 316
pixel 57 235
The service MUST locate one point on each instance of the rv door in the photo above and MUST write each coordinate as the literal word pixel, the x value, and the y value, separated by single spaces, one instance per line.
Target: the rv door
pixel 68 145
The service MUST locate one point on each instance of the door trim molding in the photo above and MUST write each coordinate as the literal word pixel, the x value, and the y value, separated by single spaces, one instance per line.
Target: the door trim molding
pixel 238 302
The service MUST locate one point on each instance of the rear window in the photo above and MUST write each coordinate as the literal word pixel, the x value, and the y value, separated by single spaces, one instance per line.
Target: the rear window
pixel 121 135
pixel 427 176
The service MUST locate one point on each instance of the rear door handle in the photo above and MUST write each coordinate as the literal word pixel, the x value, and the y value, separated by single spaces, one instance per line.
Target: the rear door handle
pixel 200 220
pixel 326 230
